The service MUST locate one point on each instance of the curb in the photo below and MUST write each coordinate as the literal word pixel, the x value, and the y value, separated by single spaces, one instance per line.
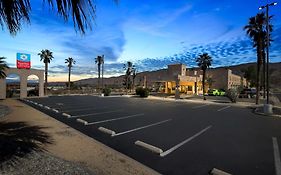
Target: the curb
pixel 261 113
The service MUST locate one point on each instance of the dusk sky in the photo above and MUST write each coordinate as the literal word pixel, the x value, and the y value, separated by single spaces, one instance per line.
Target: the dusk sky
pixel 150 33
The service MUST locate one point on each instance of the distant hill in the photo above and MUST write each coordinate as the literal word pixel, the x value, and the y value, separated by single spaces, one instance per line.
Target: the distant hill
pixel 153 76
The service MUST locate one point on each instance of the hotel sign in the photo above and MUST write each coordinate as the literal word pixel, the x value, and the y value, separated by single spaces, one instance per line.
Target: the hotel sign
pixel 23 61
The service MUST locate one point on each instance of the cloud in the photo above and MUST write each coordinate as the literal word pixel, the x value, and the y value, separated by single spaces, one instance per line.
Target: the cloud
pixel 233 51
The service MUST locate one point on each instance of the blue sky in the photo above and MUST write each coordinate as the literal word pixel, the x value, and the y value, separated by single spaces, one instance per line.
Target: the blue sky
pixel 151 34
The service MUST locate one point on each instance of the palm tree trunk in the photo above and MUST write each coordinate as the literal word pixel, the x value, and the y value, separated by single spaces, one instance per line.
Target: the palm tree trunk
pixel 203 83
pixel 259 59
pixel 127 79
pixel 102 77
pixel 98 78
pixel 46 78
pixel 263 75
pixel 69 72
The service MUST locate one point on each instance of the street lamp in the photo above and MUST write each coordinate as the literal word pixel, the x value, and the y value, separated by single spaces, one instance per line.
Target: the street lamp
pixel 267 47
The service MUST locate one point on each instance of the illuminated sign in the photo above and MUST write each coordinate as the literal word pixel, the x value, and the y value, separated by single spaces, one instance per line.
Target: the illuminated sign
pixel 23 61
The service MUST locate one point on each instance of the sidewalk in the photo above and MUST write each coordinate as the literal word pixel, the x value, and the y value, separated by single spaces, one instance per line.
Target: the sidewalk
pixel 258 109
pixel 208 101
pixel 71 145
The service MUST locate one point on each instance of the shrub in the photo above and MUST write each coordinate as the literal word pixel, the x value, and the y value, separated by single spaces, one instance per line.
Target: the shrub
pixel 9 93
pixel 106 91
pixel 274 100
pixel 142 92
pixel 232 94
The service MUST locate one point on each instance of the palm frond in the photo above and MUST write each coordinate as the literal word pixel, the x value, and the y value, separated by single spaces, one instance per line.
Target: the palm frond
pixel 13 13
pixel 3 67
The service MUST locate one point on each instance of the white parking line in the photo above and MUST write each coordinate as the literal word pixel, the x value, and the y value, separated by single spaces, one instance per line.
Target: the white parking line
pixel 113 119
pixel 221 109
pixel 143 127
pixel 276 156
pixel 201 106
pixel 184 142
pixel 84 115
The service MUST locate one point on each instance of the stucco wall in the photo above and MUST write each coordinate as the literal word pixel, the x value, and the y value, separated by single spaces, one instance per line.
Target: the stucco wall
pixel 23 74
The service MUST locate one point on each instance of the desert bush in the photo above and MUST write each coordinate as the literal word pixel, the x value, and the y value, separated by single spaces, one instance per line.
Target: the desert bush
pixel 232 94
pixel 274 100
pixel 142 92
pixel 106 91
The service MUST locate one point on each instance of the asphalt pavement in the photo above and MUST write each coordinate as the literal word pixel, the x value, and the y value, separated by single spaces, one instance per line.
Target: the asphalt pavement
pixel 174 137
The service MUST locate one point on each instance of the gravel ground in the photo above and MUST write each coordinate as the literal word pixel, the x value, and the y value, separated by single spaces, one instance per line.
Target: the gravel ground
pixel 4 110
pixel 42 163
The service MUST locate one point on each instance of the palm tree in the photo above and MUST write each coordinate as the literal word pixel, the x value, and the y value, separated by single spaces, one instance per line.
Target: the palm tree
pixel 129 67
pixel 46 56
pixel 13 13
pixel 99 61
pixel 70 62
pixel 3 66
pixel 256 29
pixel 204 61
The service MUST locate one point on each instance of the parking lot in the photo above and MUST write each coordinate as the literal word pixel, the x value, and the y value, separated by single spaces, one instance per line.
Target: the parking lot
pixel 174 137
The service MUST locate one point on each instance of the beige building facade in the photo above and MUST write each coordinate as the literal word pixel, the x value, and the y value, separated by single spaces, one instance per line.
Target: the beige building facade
pixel 224 79
pixel 23 74
pixel 189 81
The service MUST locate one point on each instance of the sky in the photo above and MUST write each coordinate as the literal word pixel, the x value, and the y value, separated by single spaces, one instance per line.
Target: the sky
pixel 151 34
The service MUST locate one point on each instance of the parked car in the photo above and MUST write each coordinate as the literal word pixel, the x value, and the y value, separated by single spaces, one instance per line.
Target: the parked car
pixel 216 92
pixel 247 93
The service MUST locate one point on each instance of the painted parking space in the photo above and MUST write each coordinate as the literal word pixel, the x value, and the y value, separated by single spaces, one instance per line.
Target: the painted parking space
pixel 188 138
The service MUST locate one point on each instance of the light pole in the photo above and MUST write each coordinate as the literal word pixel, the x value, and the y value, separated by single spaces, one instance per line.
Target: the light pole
pixel 267 47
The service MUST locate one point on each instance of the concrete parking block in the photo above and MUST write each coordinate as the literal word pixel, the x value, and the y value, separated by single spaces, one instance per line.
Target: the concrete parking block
pixel 218 172
pixel 82 121
pixel 47 107
pixel 107 131
pixel 149 147
pixel 66 115
pixel 55 110
pixel 40 105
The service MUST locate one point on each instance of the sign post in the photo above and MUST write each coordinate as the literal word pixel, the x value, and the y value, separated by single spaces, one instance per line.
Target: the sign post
pixel 23 61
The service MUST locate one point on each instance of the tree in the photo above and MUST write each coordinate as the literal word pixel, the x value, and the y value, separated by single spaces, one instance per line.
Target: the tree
pixel 3 66
pixel 134 74
pixel 250 75
pixel 46 56
pixel 129 67
pixel 70 62
pixel 99 61
pixel 256 30
pixel 210 81
pixel 13 13
pixel 204 61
